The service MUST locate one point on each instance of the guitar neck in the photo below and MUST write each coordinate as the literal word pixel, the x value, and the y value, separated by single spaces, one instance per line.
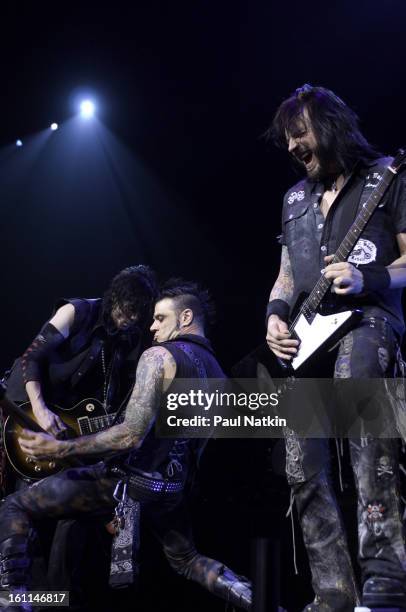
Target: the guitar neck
pixel 311 304
pixel 19 415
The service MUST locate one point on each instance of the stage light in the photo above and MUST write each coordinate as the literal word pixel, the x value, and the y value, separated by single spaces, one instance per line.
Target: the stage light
pixel 19 143
pixel 54 126
pixel 87 109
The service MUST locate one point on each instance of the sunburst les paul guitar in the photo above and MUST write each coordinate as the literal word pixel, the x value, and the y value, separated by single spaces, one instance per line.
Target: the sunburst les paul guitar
pixel 86 417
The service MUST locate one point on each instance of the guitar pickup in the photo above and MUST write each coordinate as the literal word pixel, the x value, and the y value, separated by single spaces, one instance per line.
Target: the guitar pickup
pixel 84 425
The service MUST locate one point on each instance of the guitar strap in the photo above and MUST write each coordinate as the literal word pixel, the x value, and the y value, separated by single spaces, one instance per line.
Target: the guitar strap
pixel 350 210
pixel 111 379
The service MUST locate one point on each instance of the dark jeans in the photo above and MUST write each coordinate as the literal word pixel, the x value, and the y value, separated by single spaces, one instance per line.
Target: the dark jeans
pixel 367 352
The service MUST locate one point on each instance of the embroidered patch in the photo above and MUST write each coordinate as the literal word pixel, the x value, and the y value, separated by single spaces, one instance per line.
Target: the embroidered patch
pixel 373 180
pixel 296 195
pixel 375 512
pixel 384 467
pixel 364 252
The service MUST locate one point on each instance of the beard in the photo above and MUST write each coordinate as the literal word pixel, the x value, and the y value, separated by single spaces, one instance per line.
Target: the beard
pixel 327 167
pixel 322 167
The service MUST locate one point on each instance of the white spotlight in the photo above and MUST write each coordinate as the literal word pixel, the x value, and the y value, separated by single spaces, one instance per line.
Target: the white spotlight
pixel 54 126
pixel 87 109
pixel 19 143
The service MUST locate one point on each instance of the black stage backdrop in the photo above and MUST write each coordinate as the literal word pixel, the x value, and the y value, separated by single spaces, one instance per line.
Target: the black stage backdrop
pixel 175 172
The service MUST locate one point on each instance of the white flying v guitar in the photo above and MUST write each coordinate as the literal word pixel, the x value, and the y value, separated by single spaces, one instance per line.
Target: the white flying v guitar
pixel 314 330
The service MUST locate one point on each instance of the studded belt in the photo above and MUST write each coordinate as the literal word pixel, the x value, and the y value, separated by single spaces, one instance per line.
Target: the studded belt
pixel 154 485
pixel 147 488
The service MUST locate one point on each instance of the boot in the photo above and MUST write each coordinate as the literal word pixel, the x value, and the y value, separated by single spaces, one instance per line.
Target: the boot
pixel 382 554
pixel 14 572
pixel 330 602
pixel 323 534
pixel 384 593
pixel 7 599
pixel 236 590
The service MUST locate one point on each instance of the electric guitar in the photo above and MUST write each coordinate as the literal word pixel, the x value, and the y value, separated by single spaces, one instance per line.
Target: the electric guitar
pixel 86 417
pixel 313 329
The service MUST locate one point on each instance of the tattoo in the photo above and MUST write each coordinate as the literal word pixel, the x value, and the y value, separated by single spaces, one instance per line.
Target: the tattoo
pixel 283 287
pixel 140 412
pixel 145 399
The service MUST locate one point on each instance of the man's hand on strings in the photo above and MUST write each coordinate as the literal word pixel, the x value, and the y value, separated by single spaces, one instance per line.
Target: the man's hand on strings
pixel 346 278
pixel 39 445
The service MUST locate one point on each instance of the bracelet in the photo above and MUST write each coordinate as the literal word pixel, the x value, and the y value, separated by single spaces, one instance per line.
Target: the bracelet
pixel 376 278
pixel 277 307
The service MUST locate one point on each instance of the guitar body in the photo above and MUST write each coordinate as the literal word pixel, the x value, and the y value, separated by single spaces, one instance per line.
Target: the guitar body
pixel 86 417
pixel 320 332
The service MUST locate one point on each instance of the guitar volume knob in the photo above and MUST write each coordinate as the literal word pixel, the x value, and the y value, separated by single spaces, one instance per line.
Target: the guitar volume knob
pixel 51 465
pixel 38 468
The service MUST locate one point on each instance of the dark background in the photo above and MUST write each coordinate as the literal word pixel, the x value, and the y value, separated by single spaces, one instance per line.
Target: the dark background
pixel 175 173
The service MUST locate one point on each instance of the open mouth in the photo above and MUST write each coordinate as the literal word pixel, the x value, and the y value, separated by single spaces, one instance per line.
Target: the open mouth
pixel 305 157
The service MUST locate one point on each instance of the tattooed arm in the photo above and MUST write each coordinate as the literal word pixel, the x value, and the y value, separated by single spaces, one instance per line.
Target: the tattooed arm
pixel 283 287
pixel 156 369
pixel 278 337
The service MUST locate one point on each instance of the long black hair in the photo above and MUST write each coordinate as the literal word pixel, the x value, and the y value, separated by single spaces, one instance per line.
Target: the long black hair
pixel 334 124
pixel 134 290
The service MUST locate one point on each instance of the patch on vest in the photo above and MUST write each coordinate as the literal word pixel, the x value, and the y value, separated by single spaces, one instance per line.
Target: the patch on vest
pixel 363 253
pixel 372 180
pixel 296 195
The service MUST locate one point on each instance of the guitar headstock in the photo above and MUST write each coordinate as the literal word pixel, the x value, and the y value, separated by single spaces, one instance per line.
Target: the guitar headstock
pixel 399 161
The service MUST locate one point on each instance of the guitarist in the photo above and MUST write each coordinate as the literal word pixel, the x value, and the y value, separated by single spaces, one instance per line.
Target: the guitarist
pixel 81 351
pixel 322 136
pixel 89 348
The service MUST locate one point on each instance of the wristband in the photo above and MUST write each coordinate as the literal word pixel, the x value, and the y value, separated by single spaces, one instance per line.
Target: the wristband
pixel 376 278
pixel 277 307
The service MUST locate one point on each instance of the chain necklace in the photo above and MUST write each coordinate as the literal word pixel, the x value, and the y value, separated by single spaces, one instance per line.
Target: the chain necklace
pixel 334 186
pixel 106 376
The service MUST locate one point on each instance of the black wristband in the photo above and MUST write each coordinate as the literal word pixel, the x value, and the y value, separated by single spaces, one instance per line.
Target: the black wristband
pixel 376 277
pixel 277 307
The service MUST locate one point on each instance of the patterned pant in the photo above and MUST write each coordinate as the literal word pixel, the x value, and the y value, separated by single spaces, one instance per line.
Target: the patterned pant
pixel 367 352
pixel 77 492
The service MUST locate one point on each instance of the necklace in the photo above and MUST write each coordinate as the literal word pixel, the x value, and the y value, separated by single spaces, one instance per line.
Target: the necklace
pixel 334 185
pixel 106 376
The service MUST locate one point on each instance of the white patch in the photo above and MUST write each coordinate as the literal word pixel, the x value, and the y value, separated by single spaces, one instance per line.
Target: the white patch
pixel 373 180
pixel 296 195
pixel 363 253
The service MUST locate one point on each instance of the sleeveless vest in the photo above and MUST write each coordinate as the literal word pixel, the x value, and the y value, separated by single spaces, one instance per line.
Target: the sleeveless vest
pixel 176 458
